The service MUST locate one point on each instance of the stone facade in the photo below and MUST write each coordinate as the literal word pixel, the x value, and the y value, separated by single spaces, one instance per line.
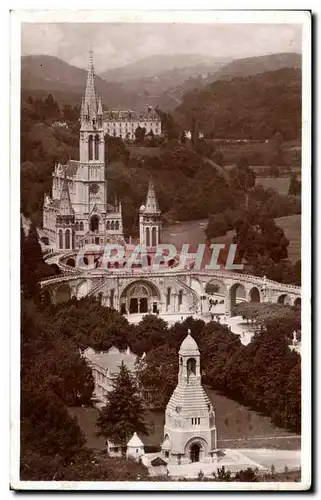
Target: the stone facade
pixel 189 431
pixel 124 123
pixel 77 213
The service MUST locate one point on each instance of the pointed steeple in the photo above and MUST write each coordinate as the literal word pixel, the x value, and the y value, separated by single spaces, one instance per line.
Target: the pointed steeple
pixel 151 199
pixel 91 106
pixel 65 206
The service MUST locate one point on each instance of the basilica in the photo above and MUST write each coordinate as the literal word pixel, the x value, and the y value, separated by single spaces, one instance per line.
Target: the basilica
pixel 78 211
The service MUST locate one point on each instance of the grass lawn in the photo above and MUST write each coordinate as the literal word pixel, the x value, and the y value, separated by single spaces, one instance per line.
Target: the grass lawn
pixel 237 427
pixel 279 184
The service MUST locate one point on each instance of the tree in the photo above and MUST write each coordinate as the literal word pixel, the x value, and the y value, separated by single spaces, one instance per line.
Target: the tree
pixel 123 413
pixel 242 176
pixel 295 186
pixel 157 375
pixel 140 133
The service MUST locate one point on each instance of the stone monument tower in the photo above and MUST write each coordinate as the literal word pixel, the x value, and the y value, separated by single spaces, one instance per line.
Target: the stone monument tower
pixel 189 431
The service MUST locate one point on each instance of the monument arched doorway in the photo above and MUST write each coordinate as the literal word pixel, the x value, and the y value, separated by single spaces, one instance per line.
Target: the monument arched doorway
pixel 140 297
pixel 195 451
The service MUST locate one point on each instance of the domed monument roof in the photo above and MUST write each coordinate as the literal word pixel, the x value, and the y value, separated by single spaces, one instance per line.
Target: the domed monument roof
pixel 135 441
pixel 189 346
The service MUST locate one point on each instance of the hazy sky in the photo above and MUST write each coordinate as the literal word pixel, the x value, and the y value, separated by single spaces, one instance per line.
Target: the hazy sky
pixel 117 44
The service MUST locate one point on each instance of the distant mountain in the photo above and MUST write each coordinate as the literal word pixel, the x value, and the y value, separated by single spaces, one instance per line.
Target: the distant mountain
pixel 240 67
pixel 153 66
pixel 255 106
pixel 42 74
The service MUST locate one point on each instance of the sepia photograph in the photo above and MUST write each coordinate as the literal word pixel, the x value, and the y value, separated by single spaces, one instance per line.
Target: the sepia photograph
pixel 161 176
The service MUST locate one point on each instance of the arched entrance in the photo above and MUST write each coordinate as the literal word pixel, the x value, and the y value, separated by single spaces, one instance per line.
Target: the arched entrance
pixel 237 294
pixel 94 223
pixel 195 452
pixel 284 299
pixel 140 297
pixel 297 302
pixel 70 262
pixel 62 293
pixel 255 295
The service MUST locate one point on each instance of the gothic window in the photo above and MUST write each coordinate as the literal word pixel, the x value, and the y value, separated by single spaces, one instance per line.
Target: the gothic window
pixel 67 239
pixel 108 225
pixel 147 237
pixel 117 225
pixel 73 239
pixel 94 223
pixel 81 226
pixel 154 237
pixel 77 226
pixel 96 147
pixel 168 297
pixel 111 298
pixel 191 366
pixel 61 242
pixel 180 297
pixel 93 188
pixel 90 148
pixel 112 225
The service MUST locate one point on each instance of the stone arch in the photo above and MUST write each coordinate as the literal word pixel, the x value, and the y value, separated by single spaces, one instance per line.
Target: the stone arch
pixel 191 366
pixel 71 262
pixel 237 294
pixel 147 237
pixel 94 223
pixel 215 287
pixel 62 293
pixel 254 295
pixel 140 296
pixel 154 237
pixel 284 299
pixel 199 441
pixel 108 225
pixel 297 302
pixel 67 239
pixel 61 239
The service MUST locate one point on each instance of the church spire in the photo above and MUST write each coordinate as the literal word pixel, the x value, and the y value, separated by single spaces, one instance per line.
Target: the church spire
pixel 65 206
pixel 151 199
pixel 91 106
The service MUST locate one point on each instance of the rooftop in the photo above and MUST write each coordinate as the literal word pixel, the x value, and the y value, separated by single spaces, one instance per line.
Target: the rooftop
pixel 188 345
pixel 112 359
pixel 128 115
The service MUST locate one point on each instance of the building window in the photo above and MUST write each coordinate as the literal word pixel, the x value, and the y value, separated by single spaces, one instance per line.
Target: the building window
pixel 61 243
pixel 168 297
pixel 90 148
pixel 166 454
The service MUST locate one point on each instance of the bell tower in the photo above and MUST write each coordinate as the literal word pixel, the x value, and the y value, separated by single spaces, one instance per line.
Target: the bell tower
pixel 150 222
pixel 189 430
pixel 92 152
pixel 92 143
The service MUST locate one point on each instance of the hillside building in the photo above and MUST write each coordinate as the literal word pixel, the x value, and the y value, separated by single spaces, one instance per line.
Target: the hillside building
pixel 124 123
